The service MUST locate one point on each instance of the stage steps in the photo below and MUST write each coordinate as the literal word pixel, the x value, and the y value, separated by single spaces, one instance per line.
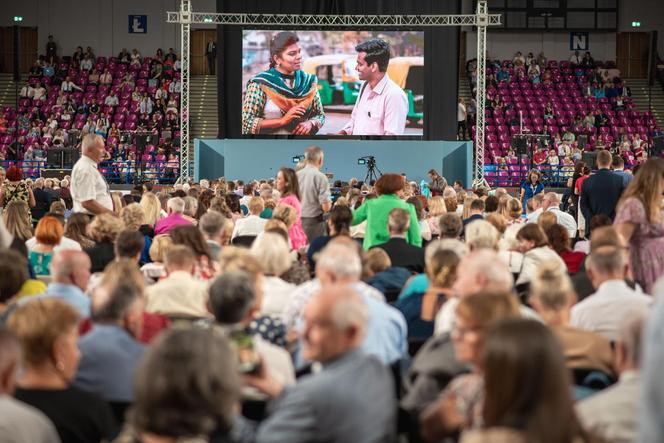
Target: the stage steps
pixel 464 88
pixel 639 88
pixel 203 107
pixel 8 90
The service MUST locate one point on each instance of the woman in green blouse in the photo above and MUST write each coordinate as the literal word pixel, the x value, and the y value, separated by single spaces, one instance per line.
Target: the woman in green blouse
pixel 376 212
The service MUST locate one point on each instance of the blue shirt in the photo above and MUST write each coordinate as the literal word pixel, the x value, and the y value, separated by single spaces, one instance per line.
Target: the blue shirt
pixel 531 191
pixel 626 177
pixel 72 294
pixel 386 336
pixel 109 356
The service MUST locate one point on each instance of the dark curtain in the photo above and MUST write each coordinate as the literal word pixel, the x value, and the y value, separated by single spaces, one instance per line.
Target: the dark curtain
pixel 441 49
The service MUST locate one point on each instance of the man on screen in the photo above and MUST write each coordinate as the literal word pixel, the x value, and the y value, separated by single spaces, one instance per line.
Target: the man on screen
pixel 382 106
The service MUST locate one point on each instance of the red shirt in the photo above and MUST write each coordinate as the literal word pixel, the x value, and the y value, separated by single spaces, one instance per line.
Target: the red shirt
pixel 573 260
pixel 579 183
pixel 540 157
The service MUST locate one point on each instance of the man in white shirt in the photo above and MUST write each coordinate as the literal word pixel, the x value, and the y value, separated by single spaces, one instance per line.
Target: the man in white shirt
pixel 612 414
pixel 576 58
pixel 551 203
pixel 111 100
pixel 89 189
pixel 536 203
pixel 603 311
pixel 382 106
pixel 69 86
pixel 461 119
pixel 252 224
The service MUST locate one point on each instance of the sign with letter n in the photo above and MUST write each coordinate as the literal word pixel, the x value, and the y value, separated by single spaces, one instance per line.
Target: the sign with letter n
pixel 138 24
pixel 579 41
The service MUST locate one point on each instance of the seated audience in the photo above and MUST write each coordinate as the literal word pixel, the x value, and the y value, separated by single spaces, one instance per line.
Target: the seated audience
pixel 339 263
pixel 401 253
pixel 155 270
pixel 552 296
pixel 192 237
pixel 48 332
pixel 104 230
pixel 353 390
pixel 19 422
pixel 179 294
pixel 175 210
pixel 338 223
pixel 519 353
pixel 48 234
pixel 186 389
pixel 272 251
pixel 460 405
pixel 534 246
pixel 70 274
pixel 560 242
pixel 212 226
pixel 613 299
pixel 235 301
pixel 450 226
pixel 252 224
pixel 612 414
pixel 110 352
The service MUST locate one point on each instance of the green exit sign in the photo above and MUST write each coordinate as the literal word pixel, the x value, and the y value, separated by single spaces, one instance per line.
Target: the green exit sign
pixel 636 24
pixel 18 18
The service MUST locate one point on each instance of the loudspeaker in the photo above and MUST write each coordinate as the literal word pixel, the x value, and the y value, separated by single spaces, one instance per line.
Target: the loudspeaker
pixel 54 157
pixel 55 173
pixel 70 156
pixel 519 144
pixel 590 159
pixel 657 145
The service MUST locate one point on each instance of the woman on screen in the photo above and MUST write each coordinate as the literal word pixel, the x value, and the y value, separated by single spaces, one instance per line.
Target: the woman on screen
pixel 284 99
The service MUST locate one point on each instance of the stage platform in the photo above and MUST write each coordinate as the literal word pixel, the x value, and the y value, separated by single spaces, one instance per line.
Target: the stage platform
pixel 258 159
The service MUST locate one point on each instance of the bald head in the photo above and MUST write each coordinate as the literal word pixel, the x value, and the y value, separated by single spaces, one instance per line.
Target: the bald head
pixel 335 323
pixel 93 147
pixel 71 268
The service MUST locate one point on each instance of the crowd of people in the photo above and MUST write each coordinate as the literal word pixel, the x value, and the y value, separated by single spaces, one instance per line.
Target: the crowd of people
pixel 118 98
pixel 579 104
pixel 271 310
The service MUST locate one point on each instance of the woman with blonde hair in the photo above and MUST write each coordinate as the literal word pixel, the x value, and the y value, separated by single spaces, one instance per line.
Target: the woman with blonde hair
pixel 466 205
pixel 510 208
pixel 104 229
pixel 17 220
pixel 639 218
pixel 117 202
pixel 420 309
pixel 151 208
pixel 155 269
pixel 273 252
pixel 436 207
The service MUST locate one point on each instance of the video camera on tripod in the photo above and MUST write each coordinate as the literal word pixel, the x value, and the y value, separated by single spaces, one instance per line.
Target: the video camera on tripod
pixel 372 170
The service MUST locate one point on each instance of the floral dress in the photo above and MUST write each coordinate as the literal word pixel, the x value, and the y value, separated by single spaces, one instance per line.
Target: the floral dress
pixel 646 246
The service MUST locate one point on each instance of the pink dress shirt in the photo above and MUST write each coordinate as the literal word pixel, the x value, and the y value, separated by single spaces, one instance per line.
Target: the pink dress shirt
pixel 379 111
pixel 164 225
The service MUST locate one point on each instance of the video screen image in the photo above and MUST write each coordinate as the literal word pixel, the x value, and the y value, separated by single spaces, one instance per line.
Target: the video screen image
pixel 332 83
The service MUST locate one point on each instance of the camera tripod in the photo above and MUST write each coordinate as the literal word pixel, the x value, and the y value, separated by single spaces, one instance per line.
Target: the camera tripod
pixel 373 173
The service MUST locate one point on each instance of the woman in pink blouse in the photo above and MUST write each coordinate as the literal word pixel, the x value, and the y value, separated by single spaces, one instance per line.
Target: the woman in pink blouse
pixel 290 194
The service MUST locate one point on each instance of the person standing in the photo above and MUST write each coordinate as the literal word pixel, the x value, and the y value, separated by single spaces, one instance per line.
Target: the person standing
pixel 51 49
pixel 600 192
pixel 89 189
pixel 211 54
pixel 314 193
pixel 531 187
pixel 462 114
pixel 438 182
pixel 382 106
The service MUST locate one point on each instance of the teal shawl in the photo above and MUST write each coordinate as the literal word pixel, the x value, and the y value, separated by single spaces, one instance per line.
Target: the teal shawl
pixel 274 80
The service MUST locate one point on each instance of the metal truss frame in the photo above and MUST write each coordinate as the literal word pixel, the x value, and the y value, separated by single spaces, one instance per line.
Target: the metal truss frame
pixel 186 17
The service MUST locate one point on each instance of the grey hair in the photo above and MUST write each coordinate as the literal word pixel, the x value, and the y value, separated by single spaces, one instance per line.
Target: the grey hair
pixel 176 204
pixel 343 260
pixel 398 221
pixel 211 223
pixel 90 140
pixel 313 154
pixel 446 244
pixel 607 260
pixel 190 206
pixel 486 262
pixel 272 250
pixel 480 234
pixel 121 299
